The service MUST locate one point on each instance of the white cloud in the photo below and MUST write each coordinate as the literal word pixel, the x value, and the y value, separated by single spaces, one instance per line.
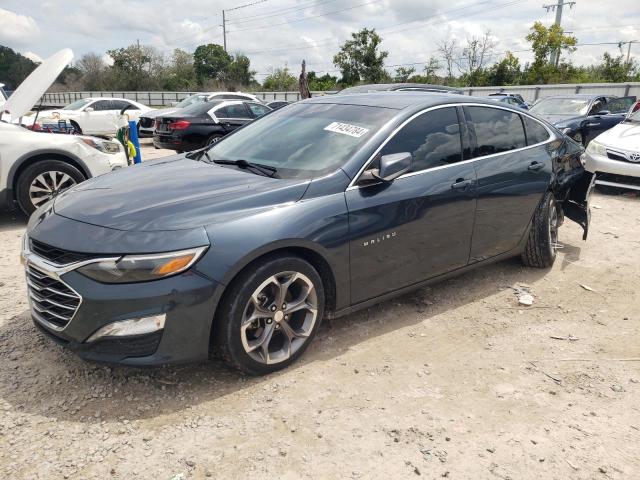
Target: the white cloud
pixel 16 29
pixel 33 56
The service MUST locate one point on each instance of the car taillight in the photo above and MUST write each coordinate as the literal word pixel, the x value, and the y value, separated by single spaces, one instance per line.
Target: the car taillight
pixel 179 125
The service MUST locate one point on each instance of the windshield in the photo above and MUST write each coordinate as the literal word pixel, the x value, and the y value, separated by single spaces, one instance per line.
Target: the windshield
pixel 304 140
pixel 200 108
pixel 78 104
pixel 192 100
pixel 561 106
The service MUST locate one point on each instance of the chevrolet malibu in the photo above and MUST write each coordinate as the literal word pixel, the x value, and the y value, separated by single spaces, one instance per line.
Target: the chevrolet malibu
pixel 317 210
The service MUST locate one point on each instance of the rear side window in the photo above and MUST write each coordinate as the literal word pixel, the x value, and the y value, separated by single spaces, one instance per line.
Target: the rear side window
pixel 536 133
pixel 433 139
pixel 120 104
pixel 496 130
pixel 232 111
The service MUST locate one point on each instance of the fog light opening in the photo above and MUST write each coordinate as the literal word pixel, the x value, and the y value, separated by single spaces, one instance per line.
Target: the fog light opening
pixel 133 326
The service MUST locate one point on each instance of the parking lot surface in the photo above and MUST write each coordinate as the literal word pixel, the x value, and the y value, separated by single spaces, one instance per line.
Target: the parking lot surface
pixel 454 381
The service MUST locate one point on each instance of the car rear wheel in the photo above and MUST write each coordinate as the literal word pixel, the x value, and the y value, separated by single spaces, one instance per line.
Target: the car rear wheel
pixel 542 244
pixel 270 315
pixel 42 181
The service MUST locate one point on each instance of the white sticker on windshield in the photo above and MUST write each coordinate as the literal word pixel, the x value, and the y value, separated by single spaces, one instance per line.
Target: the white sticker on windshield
pixel 346 129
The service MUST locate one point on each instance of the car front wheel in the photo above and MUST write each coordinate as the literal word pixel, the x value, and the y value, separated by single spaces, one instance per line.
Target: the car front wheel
pixel 542 244
pixel 270 315
pixel 42 181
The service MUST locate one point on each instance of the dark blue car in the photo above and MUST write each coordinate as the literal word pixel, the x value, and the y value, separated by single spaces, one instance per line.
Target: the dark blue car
pixel 582 116
pixel 316 210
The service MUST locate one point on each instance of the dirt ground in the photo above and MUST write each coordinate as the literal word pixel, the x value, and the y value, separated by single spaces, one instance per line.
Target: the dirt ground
pixel 455 381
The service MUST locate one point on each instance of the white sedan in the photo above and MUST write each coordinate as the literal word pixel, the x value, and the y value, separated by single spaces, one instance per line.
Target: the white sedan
pixel 614 156
pixel 92 116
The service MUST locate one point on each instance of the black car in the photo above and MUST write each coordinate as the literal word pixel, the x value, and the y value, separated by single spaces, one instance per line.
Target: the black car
pixel 278 104
pixel 316 210
pixel 513 99
pixel 400 87
pixel 204 123
pixel 582 116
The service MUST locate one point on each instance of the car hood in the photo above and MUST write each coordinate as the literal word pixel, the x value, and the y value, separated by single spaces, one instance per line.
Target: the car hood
pixel 174 193
pixel 625 136
pixel 38 82
pixel 560 120
pixel 160 111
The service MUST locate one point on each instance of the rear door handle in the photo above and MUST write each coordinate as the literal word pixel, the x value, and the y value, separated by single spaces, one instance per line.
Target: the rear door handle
pixel 535 166
pixel 461 184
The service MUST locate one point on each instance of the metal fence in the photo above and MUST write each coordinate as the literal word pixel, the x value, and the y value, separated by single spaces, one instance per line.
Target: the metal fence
pixel 530 93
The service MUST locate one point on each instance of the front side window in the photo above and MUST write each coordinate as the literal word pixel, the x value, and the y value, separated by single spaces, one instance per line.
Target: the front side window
pixel 102 105
pixel 496 130
pixel 536 133
pixel 304 140
pixel 433 139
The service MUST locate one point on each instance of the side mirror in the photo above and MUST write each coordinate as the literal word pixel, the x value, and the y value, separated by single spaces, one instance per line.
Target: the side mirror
pixel 391 167
pixel 89 109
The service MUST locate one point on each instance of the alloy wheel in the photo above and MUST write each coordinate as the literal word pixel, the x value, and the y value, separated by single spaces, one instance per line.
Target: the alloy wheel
pixel 47 185
pixel 279 317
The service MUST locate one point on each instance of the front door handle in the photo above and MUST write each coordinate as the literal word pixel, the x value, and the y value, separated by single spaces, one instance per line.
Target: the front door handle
pixel 461 184
pixel 535 166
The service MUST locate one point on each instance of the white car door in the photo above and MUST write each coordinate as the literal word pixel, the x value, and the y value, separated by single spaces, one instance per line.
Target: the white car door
pixel 98 118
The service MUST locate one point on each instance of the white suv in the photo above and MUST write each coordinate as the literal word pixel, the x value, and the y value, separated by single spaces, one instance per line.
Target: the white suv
pixel 36 166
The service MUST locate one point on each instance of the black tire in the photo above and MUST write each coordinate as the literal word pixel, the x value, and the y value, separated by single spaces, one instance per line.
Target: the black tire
pixel 41 167
pixel 76 127
pixel 540 251
pixel 227 335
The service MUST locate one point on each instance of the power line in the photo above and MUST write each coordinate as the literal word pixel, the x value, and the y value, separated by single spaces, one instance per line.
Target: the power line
pixel 254 18
pixel 224 23
pixel 307 18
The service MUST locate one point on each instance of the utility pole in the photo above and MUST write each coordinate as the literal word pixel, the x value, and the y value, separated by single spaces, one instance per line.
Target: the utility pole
pixel 554 57
pixel 628 47
pixel 224 31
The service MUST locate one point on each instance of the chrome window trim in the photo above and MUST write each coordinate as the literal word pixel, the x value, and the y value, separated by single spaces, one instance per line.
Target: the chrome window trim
pixel 552 136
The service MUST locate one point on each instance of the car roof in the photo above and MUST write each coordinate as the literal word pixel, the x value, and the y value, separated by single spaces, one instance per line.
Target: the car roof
pixel 399 100
pixel 380 87
pixel 585 96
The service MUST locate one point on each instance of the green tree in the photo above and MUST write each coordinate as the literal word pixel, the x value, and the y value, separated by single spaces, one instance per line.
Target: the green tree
pixel 180 75
pixel 403 74
pixel 360 59
pixel 280 79
pixel 615 69
pixel 132 67
pixel 92 68
pixel 14 68
pixel 545 40
pixel 239 71
pixel 506 71
pixel 323 83
pixel 211 62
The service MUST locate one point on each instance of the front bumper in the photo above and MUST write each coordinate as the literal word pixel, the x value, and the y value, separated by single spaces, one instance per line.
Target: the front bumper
pixel 188 300
pixel 613 172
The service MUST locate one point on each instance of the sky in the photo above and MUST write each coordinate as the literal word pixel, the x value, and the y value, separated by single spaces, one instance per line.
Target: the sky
pixel 275 33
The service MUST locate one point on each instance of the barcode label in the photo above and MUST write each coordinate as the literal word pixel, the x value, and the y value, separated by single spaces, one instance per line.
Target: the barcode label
pixel 346 129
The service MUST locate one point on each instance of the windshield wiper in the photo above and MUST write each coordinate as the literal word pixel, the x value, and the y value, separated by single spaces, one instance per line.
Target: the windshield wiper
pixel 266 170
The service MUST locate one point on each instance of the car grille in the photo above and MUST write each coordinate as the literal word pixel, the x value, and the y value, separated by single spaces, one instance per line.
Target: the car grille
pixel 52 301
pixel 58 255
pixel 623 157
pixel 146 122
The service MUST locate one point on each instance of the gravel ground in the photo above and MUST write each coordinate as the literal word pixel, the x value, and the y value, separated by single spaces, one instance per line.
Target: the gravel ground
pixel 454 381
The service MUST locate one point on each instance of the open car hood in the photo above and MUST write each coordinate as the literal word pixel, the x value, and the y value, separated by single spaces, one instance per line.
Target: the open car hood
pixel 36 84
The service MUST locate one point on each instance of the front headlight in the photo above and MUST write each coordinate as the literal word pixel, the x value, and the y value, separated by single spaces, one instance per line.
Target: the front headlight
pixel 142 268
pixel 596 148
pixel 105 146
